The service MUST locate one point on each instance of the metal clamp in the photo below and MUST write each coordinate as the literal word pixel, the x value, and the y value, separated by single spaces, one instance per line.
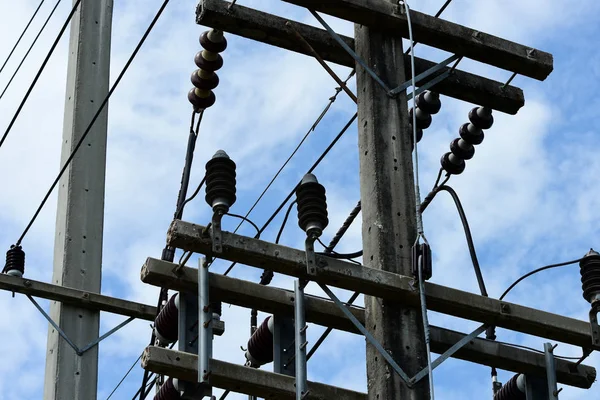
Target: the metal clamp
pixel 311 258
pixel 595 329
pixel 216 233
pixel 391 92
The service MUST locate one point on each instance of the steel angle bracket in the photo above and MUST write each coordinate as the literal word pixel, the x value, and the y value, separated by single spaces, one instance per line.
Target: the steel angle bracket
pixel 390 92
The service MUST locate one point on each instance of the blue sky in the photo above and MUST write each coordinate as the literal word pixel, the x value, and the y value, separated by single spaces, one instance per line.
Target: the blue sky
pixel 530 193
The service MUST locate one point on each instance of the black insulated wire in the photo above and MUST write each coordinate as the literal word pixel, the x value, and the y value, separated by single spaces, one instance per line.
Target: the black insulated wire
pixel 21 36
pixel 42 67
pixel 95 117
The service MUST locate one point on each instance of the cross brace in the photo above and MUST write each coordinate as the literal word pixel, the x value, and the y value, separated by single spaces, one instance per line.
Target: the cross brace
pixel 439 33
pixel 271 29
pixel 323 312
pixel 382 284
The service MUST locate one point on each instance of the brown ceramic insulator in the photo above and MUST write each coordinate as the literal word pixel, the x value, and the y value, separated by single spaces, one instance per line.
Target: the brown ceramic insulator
pixel 204 79
pixel 208 61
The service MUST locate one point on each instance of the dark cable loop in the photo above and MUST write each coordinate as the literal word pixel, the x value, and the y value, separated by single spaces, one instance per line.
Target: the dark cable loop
pixel 91 124
pixel 39 73
pixel 21 36
pixel 247 220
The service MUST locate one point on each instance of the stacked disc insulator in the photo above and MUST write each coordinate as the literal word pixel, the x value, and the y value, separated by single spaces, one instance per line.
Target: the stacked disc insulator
pixel 168 391
pixel 428 103
pixel 260 345
pixel 312 206
pixel 471 135
pixel 15 261
pixel 208 61
pixel 220 182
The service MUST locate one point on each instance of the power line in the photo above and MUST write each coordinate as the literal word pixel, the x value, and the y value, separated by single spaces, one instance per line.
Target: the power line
pixel 89 127
pixel 39 73
pixel 21 37
pixel 124 377
pixel 315 165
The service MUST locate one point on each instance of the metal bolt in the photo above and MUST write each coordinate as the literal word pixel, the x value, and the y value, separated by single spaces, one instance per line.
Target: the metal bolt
pixel 505 308
pixel 531 53
pixel 27 283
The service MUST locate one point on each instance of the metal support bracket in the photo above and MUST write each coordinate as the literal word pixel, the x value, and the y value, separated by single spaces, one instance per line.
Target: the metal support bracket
pixel 311 258
pixel 283 344
pixel 216 233
pixel 390 92
pixel 78 351
pixel 551 371
pixel 300 340
pixel 204 323
pixel 595 329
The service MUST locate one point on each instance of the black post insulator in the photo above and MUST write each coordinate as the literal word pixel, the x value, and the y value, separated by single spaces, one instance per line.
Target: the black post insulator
pixel 204 79
pixel 461 149
pixel 312 205
pixel 423 118
pixel 471 134
pixel 208 61
pixel 511 391
pixel 201 99
pixel 220 182
pixel 15 261
pixel 481 117
pixel 213 41
pixel 452 164
pixel 167 391
pixel 166 324
pixel 429 102
pixel 589 267
pixel 260 345
pixel 266 277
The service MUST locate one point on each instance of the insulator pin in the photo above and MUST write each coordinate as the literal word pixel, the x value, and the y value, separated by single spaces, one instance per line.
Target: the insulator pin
pixel 208 61
pixel 481 117
pixel 15 261
pixel 204 80
pixel 213 41
pixel 168 391
pixel 461 149
pixel 166 324
pixel 452 164
pixel 201 99
pixel 429 102
pixel 513 390
pixel 260 345
pixel 220 182
pixel 312 206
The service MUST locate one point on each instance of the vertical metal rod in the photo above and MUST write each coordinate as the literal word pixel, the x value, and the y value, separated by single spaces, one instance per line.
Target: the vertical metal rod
pixel 204 322
pixel 551 371
pixel 300 340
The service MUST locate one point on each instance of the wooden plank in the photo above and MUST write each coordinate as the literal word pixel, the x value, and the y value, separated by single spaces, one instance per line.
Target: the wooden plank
pixel 325 313
pixel 285 260
pixel 77 297
pixel 439 33
pixel 271 29
pixel 239 379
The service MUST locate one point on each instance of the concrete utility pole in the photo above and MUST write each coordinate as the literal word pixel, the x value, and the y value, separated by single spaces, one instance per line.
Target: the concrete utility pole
pixel 80 216
pixel 388 213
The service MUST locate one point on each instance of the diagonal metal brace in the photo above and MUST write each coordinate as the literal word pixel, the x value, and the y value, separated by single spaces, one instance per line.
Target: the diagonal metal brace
pixel 78 351
pixel 402 87
pixel 368 335
pixel 457 346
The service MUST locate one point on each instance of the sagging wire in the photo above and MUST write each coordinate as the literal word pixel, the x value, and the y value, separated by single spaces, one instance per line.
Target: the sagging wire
pixel 247 220
pixel 21 36
pixel 41 69
pixel 125 377
pixel 94 118
pixel 420 230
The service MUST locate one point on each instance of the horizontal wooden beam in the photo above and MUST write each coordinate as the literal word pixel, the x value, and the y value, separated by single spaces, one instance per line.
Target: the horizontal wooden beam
pixel 77 297
pixel 439 33
pixel 80 298
pixel 323 312
pixel 271 29
pixel 237 378
pixel 345 275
